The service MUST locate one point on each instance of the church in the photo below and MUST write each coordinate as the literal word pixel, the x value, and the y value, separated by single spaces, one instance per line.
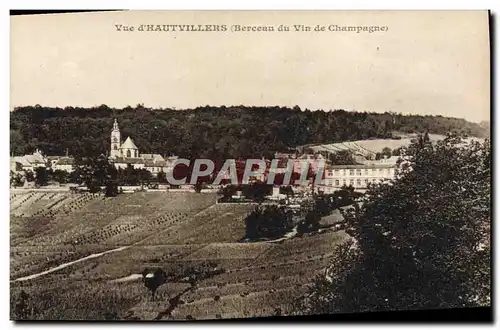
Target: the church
pixel 123 154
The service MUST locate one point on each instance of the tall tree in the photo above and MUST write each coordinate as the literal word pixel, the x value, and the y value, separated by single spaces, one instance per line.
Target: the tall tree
pixel 93 172
pixel 41 176
pixel 111 181
pixel 17 143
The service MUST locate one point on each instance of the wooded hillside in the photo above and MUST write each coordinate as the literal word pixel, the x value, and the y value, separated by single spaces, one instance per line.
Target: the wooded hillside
pixel 236 131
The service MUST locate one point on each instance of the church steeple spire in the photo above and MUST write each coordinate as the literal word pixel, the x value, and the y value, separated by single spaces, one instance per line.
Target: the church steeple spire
pixel 115 140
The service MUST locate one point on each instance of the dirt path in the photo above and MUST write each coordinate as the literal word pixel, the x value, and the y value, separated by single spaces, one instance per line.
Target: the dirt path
pixel 92 256
pixel 288 235
pixel 62 266
pixel 132 277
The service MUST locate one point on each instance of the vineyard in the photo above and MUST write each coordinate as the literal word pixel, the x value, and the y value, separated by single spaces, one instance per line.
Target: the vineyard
pixel 372 146
pixel 174 231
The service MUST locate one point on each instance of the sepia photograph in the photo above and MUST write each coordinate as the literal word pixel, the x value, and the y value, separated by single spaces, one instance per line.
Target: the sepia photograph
pixel 241 165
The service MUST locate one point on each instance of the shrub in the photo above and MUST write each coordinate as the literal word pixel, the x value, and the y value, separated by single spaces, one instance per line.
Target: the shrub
pixel 267 222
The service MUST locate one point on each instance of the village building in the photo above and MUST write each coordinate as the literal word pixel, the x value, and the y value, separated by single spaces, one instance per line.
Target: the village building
pixel 123 154
pixel 314 162
pixel 28 162
pixel 61 163
pixel 285 155
pixel 15 166
pixel 358 176
pixel 65 163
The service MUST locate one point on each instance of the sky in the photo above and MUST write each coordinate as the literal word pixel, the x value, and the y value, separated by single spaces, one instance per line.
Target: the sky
pixel 426 62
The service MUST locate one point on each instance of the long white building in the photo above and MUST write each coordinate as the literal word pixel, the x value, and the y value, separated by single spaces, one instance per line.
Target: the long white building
pixel 358 176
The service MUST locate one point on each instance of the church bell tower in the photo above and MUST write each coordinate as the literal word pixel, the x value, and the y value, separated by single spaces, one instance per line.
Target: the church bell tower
pixel 115 141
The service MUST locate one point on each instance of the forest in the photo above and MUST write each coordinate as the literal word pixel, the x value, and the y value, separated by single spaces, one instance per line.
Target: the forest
pixel 215 132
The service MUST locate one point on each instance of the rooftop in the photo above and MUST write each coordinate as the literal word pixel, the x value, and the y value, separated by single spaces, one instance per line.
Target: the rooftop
pixel 152 156
pixel 65 161
pixel 129 144
pixel 361 166
pixel 125 160
pixel 148 162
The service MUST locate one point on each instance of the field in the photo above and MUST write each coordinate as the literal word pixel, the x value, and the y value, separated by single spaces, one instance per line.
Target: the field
pixel 366 147
pixel 84 261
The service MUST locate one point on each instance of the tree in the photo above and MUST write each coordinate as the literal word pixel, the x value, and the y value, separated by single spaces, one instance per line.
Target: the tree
pixel 286 190
pixel 17 143
pixel 396 152
pixel 143 176
pixel 83 171
pixel 342 157
pixel 15 179
pixel 310 223
pixel 426 136
pixel 198 186
pixel 93 185
pixel 153 279
pixel 111 181
pixel 41 176
pixel 162 177
pixel 227 192
pixel 387 152
pixel 30 176
pixel 210 131
pixel 256 191
pixel 111 188
pixel 421 241
pixel 343 197
pixel 267 222
pixel 60 176
pixel 93 172
pixel 100 167
pixel 324 204
pixel 129 176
